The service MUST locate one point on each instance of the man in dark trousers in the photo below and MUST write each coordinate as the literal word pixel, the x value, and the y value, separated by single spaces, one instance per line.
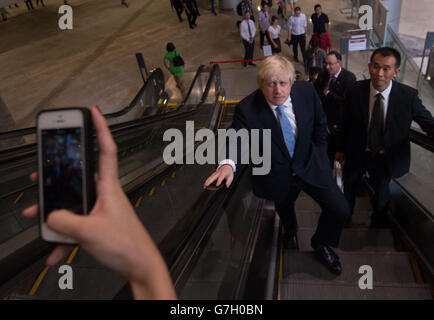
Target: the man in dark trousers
pixel 292 111
pixel 375 133
pixel 248 32
pixel 191 13
pixel 179 7
pixel 332 86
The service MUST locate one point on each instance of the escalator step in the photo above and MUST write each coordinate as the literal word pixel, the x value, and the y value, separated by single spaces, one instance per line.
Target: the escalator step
pixel 353 239
pixel 391 267
pixel 315 290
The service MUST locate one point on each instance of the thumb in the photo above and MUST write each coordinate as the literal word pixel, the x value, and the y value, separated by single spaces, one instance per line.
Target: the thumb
pixel 66 222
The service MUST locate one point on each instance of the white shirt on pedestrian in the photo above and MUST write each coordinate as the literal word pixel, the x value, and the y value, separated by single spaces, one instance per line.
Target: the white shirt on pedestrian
pixel 244 30
pixel 264 20
pixel 297 25
pixel 274 32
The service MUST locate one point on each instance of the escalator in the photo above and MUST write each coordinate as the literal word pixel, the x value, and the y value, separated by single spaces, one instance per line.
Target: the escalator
pixel 225 244
pixel 140 149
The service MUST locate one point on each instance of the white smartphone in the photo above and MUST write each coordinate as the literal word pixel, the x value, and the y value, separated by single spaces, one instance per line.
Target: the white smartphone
pixel 65 166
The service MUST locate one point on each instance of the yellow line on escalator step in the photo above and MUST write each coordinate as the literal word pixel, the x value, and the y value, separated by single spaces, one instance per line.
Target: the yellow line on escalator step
pixel 151 192
pixel 181 168
pixel 72 255
pixel 5 298
pixel 416 270
pixel 163 182
pixel 38 282
pixel 231 101
pixel 173 174
pixel 138 202
pixel 19 197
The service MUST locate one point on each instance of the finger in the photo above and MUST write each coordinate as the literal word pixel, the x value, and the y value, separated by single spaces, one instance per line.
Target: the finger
pixel 229 181
pixel 108 157
pixel 34 177
pixel 210 180
pixel 67 223
pixel 58 253
pixel 30 212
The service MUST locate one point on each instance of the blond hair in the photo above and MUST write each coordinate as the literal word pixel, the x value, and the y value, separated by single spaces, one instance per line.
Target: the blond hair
pixel 273 64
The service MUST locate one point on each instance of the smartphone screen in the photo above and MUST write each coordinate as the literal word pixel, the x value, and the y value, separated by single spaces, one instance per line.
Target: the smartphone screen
pixel 62 170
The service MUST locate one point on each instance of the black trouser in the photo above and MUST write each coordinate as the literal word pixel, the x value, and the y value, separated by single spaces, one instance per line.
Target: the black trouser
pixel 178 9
pixel 192 16
pixel 248 55
pixel 335 211
pixel 196 7
pixel 261 37
pixel 300 39
pixel 29 4
pixel 379 179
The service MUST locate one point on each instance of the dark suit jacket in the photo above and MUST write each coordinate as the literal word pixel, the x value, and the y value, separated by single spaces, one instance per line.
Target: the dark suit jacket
pixel 333 103
pixel 404 107
pixel 310 156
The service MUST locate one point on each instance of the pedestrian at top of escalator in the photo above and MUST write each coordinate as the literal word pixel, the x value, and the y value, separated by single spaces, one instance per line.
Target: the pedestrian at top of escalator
pixel 176 71
pixel 179 8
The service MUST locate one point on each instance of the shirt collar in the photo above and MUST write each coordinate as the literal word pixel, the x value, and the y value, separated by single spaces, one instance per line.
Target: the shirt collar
pixel 287 103
pixel 385 93
pixel 338 73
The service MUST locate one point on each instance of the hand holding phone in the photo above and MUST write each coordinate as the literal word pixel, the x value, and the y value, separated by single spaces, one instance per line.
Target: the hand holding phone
pixel 133 254
pixel 65 165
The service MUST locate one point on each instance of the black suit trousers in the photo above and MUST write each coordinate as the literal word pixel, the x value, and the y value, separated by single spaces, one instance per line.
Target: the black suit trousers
pixel 248 54
pixel 335 212
pixel 299 40
pixel 378 178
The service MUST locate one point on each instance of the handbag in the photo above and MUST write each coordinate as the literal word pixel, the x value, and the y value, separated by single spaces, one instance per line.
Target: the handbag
pixel 178 61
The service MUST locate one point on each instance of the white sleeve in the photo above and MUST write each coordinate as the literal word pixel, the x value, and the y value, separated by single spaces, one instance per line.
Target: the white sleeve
pixel 228 161
pixel 243 31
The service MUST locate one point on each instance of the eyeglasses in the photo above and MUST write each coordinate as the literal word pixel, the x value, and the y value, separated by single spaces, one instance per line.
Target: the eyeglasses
pixel 330 64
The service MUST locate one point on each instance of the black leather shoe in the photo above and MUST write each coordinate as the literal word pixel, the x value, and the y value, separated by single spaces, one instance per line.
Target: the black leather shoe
pixel 290 242
pixel 329 258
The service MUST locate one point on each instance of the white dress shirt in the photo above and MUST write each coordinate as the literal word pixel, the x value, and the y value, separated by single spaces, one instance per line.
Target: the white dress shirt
pixel 244 29
pixel 289 113
pixel 297 25
pixel 372 97
pixel 264 20
pixel 372 93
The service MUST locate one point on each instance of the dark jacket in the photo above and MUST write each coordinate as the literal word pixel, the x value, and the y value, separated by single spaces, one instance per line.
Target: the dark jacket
pixel 404 107
pixel 310 156
pixel 333 103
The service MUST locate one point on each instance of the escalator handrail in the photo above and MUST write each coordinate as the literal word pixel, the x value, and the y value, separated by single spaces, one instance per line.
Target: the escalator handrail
pixel 421 139
pixel 199 71
pixel 157 72
pixel 27 149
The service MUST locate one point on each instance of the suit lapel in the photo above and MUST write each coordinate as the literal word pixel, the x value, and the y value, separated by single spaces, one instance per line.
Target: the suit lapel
pixel 393 97
pixel 298 116
pixel 364 100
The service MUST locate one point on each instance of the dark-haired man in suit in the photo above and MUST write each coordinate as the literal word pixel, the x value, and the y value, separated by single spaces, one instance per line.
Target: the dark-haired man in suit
pixel 292 111
pixel 332 86
pixel 375 133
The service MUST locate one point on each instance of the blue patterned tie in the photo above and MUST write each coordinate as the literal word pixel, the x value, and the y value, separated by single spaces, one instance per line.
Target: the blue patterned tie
pixel 288 135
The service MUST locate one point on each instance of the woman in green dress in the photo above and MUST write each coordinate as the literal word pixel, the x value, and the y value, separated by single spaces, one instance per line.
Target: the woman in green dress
pixel 177 72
